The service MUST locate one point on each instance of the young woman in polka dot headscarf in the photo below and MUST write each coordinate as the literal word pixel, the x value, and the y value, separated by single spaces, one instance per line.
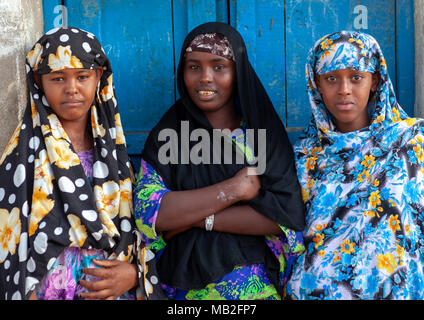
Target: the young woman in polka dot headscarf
pixel 66 180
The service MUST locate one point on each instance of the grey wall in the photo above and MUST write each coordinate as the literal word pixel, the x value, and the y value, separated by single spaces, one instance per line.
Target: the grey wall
pixel 21 24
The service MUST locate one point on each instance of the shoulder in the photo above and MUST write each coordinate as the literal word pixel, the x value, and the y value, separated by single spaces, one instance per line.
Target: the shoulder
pixel 400 133
pixel 308 140
pixel 169 121
pixel 171 117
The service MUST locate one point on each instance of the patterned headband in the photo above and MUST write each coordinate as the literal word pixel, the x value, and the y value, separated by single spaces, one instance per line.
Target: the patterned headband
pixel 346 50
pixel 214 43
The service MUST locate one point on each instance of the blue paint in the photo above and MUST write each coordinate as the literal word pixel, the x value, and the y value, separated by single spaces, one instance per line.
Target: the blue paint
pixel 85 14
pixel 405 55
pixel 49 14
pixel 189 14
pixel 308 21
pixel 141 54
pixel 143 40
pixel 262 28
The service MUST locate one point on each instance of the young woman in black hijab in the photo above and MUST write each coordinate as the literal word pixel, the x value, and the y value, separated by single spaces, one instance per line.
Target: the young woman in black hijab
pixel 218 229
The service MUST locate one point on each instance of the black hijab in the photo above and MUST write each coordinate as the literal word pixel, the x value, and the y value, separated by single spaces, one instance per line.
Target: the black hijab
pixel 196 257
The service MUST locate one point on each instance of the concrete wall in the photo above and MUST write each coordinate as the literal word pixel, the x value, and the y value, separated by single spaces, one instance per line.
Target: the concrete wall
pixel 419 57
pixel 21 24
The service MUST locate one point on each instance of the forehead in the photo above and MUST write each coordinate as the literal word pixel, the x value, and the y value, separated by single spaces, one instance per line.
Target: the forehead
pixel 69 71
pixel 200 56
pixel 346 72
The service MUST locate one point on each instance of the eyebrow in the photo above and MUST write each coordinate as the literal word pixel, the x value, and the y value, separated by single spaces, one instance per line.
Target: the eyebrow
pixel 213 60
pixel 79 71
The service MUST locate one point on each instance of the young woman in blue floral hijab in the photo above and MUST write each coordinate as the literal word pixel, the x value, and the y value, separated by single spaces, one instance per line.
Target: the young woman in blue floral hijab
pixel 360 165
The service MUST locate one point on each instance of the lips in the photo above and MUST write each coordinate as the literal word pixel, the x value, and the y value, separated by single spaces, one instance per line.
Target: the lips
pixel 345 105
pixel 72 103
pixel 206 94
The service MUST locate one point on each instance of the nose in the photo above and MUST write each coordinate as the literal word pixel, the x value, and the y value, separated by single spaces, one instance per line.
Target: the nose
pixel 206 76
pixel 344 87
pixel 71 86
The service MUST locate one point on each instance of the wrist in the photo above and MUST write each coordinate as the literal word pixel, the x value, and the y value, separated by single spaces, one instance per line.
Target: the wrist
pixel 199 224
pixel 234 190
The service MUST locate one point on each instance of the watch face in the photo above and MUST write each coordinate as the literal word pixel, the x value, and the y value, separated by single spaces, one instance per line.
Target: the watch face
pixel 209 222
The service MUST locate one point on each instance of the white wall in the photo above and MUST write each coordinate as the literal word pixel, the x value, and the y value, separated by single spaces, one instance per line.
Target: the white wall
pixel 21 24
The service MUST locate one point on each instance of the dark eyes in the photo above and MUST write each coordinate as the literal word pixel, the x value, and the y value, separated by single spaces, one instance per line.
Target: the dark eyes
pixel 218 67
pixel 356 77
pixel 80 77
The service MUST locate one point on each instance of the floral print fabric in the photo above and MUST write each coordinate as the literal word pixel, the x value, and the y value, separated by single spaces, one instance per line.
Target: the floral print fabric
pixel 244 282
pixel 86 158
pixel 47 202
pixel 364 190
pixel 61 282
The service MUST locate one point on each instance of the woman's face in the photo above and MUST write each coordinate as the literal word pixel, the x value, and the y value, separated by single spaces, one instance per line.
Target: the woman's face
pixel 210 80
pixel 70 92
pixel 346 94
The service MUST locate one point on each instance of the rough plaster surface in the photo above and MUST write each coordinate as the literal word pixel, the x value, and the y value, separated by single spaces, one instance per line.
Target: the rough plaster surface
pixel 21 24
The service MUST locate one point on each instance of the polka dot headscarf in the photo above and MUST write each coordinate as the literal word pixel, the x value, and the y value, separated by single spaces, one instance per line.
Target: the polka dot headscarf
pixel 47 203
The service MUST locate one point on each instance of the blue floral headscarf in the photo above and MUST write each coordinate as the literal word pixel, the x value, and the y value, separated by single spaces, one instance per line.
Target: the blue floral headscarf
pixel 354 51
pixel 364 190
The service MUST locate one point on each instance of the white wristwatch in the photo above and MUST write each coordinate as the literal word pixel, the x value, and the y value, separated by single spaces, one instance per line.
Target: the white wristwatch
pixel 209 222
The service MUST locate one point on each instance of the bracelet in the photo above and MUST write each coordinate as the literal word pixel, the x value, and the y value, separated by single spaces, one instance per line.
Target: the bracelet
pixel 209 222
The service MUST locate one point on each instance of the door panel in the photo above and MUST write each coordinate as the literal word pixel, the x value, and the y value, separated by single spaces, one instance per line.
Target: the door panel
pixel 308 21
pixel 262 28
pixel 143 40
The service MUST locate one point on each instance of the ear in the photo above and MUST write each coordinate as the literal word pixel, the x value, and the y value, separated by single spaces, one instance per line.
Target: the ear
pixel 37 79
pixel 375 80
pixel 99 73
pixel 316 79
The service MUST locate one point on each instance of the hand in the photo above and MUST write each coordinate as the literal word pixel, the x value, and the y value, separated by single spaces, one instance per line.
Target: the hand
pixel 117 278
pixel 248 183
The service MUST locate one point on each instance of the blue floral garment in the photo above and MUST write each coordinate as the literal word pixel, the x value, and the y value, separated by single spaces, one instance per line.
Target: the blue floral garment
pixel 364 190
pixel 244 282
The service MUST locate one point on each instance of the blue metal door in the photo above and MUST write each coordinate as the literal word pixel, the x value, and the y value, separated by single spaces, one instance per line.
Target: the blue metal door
pixel 143 41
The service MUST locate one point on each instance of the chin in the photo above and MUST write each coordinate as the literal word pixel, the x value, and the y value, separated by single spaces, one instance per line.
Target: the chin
pixel 345 117
pixel 207 107
pixel 70 117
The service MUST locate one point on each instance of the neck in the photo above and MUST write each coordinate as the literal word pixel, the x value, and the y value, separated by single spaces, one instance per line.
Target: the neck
pixel 79 134
pixel 224 118
pixel 350 127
